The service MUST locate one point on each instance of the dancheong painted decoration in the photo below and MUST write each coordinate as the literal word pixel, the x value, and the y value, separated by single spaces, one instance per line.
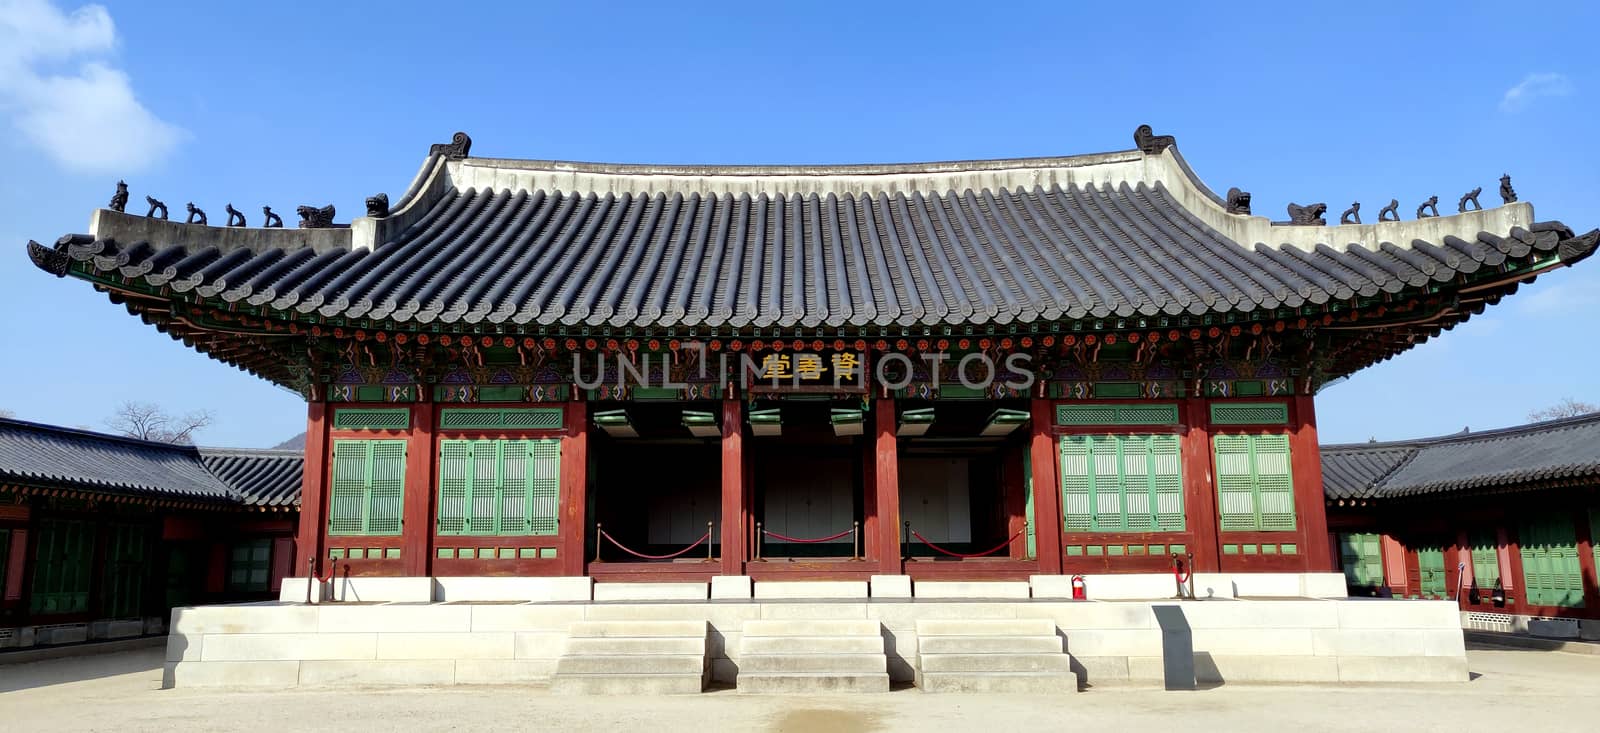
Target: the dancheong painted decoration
pixel 974 369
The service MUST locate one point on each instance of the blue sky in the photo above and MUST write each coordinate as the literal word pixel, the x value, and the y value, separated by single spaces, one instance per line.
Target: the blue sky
pixel 312 103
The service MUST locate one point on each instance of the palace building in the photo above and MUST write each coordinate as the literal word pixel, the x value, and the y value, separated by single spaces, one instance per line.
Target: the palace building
pixel 974 370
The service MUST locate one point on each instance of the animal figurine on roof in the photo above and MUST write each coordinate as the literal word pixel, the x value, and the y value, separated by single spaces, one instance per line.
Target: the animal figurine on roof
pixel 273 221
pixel 1461 206
pixel 378 206
pixel 155 205
pixel 1351 215
pixel 1309 215
pixel 196 213
pixel 1390 212
pixel 315 218
pixel 1150 143
pixel 1508 194
pixel 1431 205
pixel 1238 201
pixel 235 219
pixel 119 200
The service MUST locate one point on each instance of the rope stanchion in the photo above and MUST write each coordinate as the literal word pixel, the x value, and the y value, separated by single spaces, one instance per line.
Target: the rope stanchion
pixel 810 540
pixel 966 555
pixel 703 538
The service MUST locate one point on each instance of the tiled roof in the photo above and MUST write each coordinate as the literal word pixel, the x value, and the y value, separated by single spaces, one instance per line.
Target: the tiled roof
pixel 258 477
pixel 1491 460
pixel 979 242
pixel 33 454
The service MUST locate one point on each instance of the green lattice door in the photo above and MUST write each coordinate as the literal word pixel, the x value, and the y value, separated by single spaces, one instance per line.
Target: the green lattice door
pixel 1255 486
pixel 1485 550
pixel 1114 483
pixel 1361 556
pixel 1430 572
pixel 62 563
pixel 499 487
pixel 1549 549
pixel 368 492
pixel 126 565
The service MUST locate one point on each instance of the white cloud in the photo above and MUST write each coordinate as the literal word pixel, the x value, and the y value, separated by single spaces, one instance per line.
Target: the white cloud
pixel 59 92
pixel 1557 298
pixel 1533 86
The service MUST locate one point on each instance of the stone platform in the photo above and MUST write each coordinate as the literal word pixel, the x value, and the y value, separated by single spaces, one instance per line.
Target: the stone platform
pixel 490 632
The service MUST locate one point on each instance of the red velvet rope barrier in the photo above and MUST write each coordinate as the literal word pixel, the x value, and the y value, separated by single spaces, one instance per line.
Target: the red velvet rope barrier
pixel 1181 573
pixel 679 553
pixel 997 548
pixel 781 538
pixel 329 576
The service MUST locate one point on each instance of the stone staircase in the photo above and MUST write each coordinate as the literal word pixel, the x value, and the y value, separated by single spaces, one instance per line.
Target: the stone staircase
pixel 1011 655
pixel 633 657
pixel 807 656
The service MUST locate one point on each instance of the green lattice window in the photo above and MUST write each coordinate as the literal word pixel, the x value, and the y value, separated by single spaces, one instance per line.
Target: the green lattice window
pixel 1361 556
pixel 1114 483
pixel 250 566
pixel 1550 570
pixel 1594 540
pixel 1485 551
pixel 368 496
pixel 499 487
pixel 1139 414
pixel 371 418
pixel 1254 485
pixel 1430 572
pixel 62 564
pixel 1249 413
pixel 523 418
pixel 5 557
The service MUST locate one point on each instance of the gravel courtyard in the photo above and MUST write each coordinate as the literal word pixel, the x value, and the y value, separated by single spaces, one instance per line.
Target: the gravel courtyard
pixel 1513 690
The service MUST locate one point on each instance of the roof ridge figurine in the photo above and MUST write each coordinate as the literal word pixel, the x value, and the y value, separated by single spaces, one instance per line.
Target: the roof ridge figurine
pixel 1308 215
pixel 1390 212
pixel 1431 205
pixel 378 206
pixel 1351 215
pixel 195 211
pixel 1508 195
pixel 155 205
pixel 1149 143
pixel 235 219
pixel 273 221
pixel 1461 206
pixel 460 146
pixel 119 200
pixel 315 218
pixel 1238 201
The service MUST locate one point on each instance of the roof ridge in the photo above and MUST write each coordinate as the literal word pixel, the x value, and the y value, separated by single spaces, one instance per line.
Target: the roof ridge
pixel 1372 489
pixel 1559 423
pixel 85 433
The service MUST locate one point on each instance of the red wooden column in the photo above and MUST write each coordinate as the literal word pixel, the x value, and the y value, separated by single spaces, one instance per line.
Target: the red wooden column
pixel 733 531
pixel 1306 456
pixel 416 527
pixel 886 487
pixel 574 489
pixel 1586 565
pixel 1047 517
pixel 313 491
pixel 1016 499
pixel 1199 487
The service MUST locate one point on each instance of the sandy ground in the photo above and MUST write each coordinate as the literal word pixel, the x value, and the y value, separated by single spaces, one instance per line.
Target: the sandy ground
pixel 1522 691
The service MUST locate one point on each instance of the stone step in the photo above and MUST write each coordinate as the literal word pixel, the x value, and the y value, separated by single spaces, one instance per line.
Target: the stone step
pixel 606 629
pixel 779 683
pixel 633 664
pixel 998 682
pixel 986 627
pixel 812 663
pixel 990 645
pixel 611 646
pixel 812 627
pixel 811 645
pixel 1046 662
pixel 627 684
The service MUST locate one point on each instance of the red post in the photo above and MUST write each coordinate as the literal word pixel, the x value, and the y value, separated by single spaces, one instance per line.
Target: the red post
pixel 1047 515
pixel 1199 489
pixel 1586 565
pixel 886 488
pixel 1016 500
pixel 1308 495
pixel 313 490
pixel 417 526
pixel 869 498
pixel 574 489
pixel 733 488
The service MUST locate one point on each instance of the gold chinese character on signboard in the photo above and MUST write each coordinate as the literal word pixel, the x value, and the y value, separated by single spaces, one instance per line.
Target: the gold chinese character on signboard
pixel 845 365
pixel 808 366
pixel 776 366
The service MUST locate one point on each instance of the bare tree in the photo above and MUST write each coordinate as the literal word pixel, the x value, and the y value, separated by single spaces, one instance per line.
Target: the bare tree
pixel 1567 407
pixel 145 421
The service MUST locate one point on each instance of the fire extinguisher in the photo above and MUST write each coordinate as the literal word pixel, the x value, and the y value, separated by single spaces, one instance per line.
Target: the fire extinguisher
pixel 1079 593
